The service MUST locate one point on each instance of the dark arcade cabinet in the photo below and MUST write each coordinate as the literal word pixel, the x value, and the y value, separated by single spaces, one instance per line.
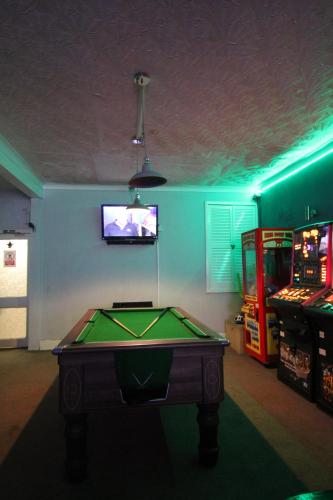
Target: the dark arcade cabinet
pixel 311 279
pixel 320 313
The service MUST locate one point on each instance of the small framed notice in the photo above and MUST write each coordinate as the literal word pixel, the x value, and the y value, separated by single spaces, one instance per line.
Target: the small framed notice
pixel 9 258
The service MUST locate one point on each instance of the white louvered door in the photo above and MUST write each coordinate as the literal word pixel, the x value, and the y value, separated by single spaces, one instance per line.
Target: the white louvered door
pixel 224 225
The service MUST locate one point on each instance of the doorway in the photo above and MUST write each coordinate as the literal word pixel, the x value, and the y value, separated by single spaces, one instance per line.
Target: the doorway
pixel 13 292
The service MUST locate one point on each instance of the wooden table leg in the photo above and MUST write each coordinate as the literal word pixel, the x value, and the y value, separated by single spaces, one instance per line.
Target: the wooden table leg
pixel 208 420
pixel 76 436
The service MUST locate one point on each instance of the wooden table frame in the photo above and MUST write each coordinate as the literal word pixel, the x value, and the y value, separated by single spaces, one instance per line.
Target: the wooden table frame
pixel 88 382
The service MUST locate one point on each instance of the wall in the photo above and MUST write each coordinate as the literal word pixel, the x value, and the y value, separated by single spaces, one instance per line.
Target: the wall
pixel 14 210
pixel 284 204
pixel 79 270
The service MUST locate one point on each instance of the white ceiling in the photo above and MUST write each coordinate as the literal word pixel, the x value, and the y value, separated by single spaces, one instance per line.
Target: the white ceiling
pixel 236 85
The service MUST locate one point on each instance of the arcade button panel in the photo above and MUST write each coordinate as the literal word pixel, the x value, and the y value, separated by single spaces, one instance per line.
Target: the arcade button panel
pixel 297 295
pixel 324 304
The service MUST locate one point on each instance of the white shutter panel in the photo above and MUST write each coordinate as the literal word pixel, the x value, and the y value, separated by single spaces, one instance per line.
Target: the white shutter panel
pixel 218 245
pixel 244 218
pixel 224 225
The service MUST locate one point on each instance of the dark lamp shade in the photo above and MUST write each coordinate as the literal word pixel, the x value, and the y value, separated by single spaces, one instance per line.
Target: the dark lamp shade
pixel 147 178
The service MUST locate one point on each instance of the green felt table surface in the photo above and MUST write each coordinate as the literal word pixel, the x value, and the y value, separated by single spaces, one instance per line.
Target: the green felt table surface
pixel 171 325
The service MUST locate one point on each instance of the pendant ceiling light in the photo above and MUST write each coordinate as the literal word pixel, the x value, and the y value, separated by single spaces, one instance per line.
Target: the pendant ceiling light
pixel 147 177
pixel 137 205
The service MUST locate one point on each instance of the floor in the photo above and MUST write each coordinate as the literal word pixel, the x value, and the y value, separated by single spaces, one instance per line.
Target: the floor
pixel 300 432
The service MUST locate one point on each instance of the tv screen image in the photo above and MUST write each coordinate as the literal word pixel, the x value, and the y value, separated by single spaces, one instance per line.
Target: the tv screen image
pixel 120 225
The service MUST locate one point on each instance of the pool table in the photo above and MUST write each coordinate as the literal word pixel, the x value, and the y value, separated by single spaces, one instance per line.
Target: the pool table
pixel 138 356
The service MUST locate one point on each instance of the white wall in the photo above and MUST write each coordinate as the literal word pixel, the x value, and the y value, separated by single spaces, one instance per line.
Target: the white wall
pixel 78 270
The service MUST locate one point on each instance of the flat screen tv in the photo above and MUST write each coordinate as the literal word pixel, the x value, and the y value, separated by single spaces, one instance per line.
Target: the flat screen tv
pixel 122 226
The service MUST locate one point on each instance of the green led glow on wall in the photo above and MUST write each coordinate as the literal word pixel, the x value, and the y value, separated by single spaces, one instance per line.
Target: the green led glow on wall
pixel 307 151
pixel 293 167
pixel 295 170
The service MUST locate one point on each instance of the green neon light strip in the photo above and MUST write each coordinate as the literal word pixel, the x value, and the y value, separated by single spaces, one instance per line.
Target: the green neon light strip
pixel 290 174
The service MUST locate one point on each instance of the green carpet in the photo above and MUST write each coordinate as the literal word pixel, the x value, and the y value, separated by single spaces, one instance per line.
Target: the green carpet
pixel 248 467
pixel 145 454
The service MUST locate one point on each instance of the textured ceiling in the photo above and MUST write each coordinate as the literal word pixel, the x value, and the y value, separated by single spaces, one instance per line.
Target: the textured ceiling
pixel 235 85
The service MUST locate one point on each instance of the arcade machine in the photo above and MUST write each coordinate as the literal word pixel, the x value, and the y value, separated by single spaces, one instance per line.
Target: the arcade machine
pixel 311 278
pixel 266 255
pixel 320 313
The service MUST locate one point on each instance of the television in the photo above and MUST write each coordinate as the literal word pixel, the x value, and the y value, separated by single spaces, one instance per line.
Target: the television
pixel 127 227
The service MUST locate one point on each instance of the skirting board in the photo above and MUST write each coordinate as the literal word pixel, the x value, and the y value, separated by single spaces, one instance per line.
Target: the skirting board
pixel 48 345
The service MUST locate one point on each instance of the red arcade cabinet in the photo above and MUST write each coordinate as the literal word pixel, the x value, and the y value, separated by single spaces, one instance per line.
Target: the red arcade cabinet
pixel 311 279
pixel 266 254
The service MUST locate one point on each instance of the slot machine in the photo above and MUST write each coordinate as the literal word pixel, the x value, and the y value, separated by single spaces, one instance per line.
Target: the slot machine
pixel 266 256
pixel 311 279
pixel 320 313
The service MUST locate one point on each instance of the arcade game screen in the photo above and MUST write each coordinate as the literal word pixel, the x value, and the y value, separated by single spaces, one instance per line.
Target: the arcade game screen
pixel 277 269
pixel 311 256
